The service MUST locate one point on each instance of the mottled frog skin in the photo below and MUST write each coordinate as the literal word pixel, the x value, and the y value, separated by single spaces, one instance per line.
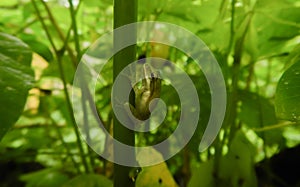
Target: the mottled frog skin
pixel 150 89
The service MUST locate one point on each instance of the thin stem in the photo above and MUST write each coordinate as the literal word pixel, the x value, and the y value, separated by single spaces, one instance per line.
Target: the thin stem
pixel 277 126
pixel 74 25
pixel 250 76
pixel 239 46
pixel 85 119
pixel 71 113
pixel 20 30
pixel 82 81
pixel 278 20
pixel 64 143
pixel 68 100
pixel 232 32
pixel 60 33
pixel 44 26
pixel 261 122
pixel 230 116
pixel 230 120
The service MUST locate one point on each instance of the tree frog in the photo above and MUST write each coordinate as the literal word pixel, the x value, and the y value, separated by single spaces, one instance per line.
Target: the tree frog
pixel 144 93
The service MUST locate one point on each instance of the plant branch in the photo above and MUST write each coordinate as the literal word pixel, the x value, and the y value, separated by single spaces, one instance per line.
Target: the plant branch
pixel 77 167
pixel 44 26
pixel 277 126
pixel 68 100
pixel 60 34
pixel 71 113
pixel 74 26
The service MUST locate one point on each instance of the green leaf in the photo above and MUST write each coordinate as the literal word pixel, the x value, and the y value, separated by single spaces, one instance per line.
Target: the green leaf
pixel 33 138
pixel 38 47
pixel 202 174
pixel 237 167
pixel 44 178
pixel 294 56
pixel 16 78
pixel 92 3
pixel 287 97
pixel 256 111
pixel 275 27
pixel 8 3
pixel 156 175
pixel 53 71
pixel 89 180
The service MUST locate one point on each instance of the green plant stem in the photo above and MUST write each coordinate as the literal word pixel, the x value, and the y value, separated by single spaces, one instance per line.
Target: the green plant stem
pixel 21 30
pixel 77 167
pixel 71 112
pixel 75 61
pixel 84 90
pixel 232 31
pixel 230 123
pixel 125 12
pixel 273 127
pixel 74 25
pixel 261 122
pixel 61 71
pixel 85 120
pixel 250 76
pixel 44 25
pixel 233 99
pixel 278 20
pixel 219 143
pixel 60 33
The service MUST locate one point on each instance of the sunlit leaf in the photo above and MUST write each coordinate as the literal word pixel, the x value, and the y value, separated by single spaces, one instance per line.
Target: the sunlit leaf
pixel 156 175
pixel 288 94
pixel 16 78
pixel 276 26
pixel 256 111
pixel 38 47
pixel 239 161
pixel 236 167
pixel 202 174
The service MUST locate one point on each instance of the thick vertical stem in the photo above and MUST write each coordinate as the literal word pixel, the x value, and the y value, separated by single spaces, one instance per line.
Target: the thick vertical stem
pixel 125 12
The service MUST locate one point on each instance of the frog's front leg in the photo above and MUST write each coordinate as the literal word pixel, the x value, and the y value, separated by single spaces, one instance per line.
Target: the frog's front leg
pixel 155 85
pixel 136 111
pixel 150 89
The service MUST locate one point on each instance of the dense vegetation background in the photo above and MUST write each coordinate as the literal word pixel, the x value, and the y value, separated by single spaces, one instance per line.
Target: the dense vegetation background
pixel 256 43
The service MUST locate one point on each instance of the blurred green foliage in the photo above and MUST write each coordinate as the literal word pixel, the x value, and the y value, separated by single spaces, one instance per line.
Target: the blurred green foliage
pixel 256 43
